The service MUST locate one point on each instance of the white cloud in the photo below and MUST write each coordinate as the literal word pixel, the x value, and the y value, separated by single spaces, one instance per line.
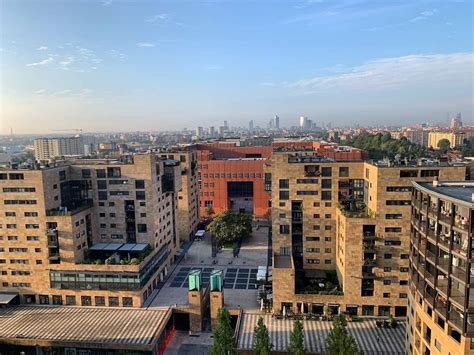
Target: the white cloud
pixel 40 92
pixel 106 2
pixel 145 44
pixel 424 15
pixel 164 19
pixel 42 48
pixel 159 18
pixel 41 63
pixel 411 70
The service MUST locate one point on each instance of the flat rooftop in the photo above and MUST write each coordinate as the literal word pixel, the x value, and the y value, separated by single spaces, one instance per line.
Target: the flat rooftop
pixel 371 340
pixel 460 191
pixel 130 328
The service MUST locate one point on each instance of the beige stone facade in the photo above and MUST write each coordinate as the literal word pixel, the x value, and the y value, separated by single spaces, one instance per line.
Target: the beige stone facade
pixel 441 302
pixel 188 196
pixel 366 246
pixel 51 220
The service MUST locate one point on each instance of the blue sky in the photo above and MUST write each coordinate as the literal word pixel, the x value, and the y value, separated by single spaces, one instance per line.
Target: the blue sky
pixel 158 65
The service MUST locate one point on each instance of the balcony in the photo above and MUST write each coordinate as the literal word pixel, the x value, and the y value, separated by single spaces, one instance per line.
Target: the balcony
pixel 459 273
pixel 53 242
pixel 441 306
pixel 369 262
pixel 456 319
pixel 443 286
pixel 445 218
pixel 52 232
pixel 431 256
pixel 64 211
pixel 53 256
pixel 368 247
pixel 429 277
pixel 444 240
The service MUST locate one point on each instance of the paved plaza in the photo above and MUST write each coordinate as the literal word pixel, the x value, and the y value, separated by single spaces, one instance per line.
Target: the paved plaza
pixel 239 272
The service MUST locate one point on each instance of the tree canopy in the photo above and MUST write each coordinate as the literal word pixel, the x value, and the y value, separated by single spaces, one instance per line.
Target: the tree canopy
pixel 297 339
pixel 339 341
pixel 444 145
pixel 383 145
pixel 261 343
pixel 223 335
pixel 230 226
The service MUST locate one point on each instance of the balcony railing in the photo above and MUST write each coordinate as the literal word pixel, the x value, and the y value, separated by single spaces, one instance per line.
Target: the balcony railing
pixel 53 242
pixel 456 319
pixel 53 232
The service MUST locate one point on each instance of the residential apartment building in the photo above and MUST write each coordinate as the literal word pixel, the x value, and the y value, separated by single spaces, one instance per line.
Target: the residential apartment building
pixel 341 232
pixel 441 301
pixel 88 232
pixel 49 148
pixel 188 196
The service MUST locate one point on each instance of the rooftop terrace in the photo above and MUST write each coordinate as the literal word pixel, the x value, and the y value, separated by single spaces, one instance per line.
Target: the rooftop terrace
pixel 462 191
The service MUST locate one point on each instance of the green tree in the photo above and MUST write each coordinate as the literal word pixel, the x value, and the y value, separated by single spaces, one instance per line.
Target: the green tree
pixel 339 341
pixel 261 343
pixel 209 211
pixel 444 145
pixel 297 339
pixel 230 226
pixel 223 335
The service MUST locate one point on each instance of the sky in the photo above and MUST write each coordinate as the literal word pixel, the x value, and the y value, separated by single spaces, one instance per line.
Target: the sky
pixel 116 65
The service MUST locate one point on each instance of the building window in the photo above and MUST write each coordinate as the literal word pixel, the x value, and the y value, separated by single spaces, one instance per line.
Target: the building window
pixel 43 299
pixel 313 261
pixel 102 195
pixel 285 251
pixel 86 301
pixel 397 202
pixel 408 173
pixel 140 195
pixel 113 301
pixel 393 229
pixel 114 172
pixel 16 176
pixel 387 256
pixel 99 300
pixel 326 171
pixel 10 214
pixel 387 269
pixel 101 173
pixel 393 216
pixel 284 229
pixel 141 228
pixel 326 183
pixel 312 250
pixel 387 282
pixel 86 173
pixel 403 295
pixel 343 171
pixel 398 188
pixel 127 301
pixel 284 183
pixel 313 239
pixel 429 173
pixel 102 184
pixel 284 195
pixel 326 195
pixel 208 203
pixel 386 295
pixel 140 184
pixel 327 250
pixel 57 300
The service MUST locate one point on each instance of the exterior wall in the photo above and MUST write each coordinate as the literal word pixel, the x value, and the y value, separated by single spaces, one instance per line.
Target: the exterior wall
pixel 98 221
pixel 188 196
pixel 220 164
pixel 440 287
pixel 341 240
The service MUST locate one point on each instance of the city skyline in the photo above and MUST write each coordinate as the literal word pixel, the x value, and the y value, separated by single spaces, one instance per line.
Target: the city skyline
pixel 166 66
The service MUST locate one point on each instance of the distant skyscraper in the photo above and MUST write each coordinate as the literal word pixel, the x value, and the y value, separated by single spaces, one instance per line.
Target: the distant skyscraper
pixel 199 131
pixel 271 123
pixel 251 125
pixel 226 125
pixel 212 131
pixel 277 122
pixel 304 122
pixel 456 121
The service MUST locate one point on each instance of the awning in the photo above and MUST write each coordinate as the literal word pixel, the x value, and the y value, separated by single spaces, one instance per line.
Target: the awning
pixel 6 298
pixel 138 247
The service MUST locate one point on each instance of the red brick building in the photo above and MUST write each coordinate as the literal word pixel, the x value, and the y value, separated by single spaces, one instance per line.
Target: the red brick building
pixel 232 177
